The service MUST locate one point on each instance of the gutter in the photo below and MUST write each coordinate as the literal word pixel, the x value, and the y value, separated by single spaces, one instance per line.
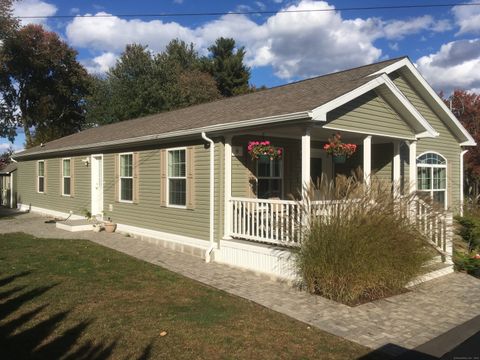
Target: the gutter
pixel 192 132
pixel 208 257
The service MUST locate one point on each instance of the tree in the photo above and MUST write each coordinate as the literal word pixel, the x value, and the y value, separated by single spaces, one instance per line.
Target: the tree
pixel 141 83
pixel 42 86
pixel 8 24
pixel 6 157
pixel 227 68
pixel 466 106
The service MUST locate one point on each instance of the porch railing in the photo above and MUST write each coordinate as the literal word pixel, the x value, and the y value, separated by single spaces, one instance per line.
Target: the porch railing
pixel 281 221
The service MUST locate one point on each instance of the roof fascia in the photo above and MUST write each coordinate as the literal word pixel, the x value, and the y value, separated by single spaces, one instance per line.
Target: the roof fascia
pixel 469 141
pixel 320 113
pixel 174 134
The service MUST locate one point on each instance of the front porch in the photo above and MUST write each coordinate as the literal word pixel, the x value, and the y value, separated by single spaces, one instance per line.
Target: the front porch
pixel 265 200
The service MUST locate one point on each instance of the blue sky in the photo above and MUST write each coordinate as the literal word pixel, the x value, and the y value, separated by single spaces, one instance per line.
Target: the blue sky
pixel 443 42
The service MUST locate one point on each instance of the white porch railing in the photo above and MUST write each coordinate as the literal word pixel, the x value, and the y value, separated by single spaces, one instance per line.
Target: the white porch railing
pixel 281 221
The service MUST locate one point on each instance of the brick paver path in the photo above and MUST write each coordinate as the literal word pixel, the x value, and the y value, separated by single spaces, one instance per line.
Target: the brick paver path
pixel 406 320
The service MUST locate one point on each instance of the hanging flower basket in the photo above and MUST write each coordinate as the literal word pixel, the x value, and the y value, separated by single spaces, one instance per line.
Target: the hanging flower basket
pixel 263 149
pixel 339 151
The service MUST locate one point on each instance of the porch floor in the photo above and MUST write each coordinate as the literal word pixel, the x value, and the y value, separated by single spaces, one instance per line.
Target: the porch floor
pixel 401 322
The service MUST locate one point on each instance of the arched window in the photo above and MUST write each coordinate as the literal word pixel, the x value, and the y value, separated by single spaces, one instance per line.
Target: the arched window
pixel 432 176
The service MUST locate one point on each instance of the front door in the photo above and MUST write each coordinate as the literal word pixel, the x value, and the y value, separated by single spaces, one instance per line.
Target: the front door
pixel 97 185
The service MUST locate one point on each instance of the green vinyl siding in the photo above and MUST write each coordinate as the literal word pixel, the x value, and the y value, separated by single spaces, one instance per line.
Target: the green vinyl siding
pixel 446 143
pixel 52 199
pixel 371 114
pixel 150 214
pixel 147 213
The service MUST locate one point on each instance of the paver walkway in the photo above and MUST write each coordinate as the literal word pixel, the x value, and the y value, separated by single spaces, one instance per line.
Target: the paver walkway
pixel 407 320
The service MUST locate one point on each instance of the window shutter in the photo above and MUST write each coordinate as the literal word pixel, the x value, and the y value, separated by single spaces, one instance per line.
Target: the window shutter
pixel 190 155
pixel 116 176
pixel 36 179
pixel 163 177
pixel 136 177
pixel 60 188
pixel 45 181
pixel 72 177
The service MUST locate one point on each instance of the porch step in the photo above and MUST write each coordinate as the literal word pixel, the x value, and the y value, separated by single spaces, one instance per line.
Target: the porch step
pixel 434 271
pixel 74 225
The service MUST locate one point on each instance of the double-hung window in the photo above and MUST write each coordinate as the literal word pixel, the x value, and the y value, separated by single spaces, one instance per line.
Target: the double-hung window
pixel 126 177
pixel 67 180
pixel 41 176
pixel 177 177
pixel 432 176
pixel 269 177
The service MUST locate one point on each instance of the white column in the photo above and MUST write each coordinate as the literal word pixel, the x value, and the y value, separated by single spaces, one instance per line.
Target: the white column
pixel 396 168
pixel 413 166
pixel 228 187
pixel 461 180
pixel 367 159
pixel 306 161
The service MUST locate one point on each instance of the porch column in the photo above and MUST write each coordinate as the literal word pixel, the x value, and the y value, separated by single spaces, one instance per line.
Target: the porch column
pixel 462 195
pixel 396 168
pixel 306 162
pixel 227 223
pixel 367 159
pixel 412 171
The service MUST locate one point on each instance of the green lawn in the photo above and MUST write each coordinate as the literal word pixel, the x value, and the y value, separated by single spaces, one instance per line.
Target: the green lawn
pixel 77 300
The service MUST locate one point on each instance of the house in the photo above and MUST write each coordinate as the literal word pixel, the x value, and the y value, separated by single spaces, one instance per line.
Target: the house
pixel 184 178
pixel 8 186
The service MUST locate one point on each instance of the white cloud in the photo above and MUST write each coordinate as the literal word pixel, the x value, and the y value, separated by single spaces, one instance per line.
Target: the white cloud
pixel 101 64
pixel 33 8
pixel 295 44
pixel 455 65
pixel 467 17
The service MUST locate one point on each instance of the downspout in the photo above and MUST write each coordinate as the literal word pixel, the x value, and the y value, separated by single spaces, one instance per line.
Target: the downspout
pixel 208 253
pixel 461 180
pixel 11 189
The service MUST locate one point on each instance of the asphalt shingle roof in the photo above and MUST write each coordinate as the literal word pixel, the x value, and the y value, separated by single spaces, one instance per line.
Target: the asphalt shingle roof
pixel 295 97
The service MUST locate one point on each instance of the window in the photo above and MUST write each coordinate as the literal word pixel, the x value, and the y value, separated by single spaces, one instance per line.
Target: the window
pixel 126 177
pixel 41 176
pixel 432 176
pixel 66 177
pixel 269 176
pixel 177 178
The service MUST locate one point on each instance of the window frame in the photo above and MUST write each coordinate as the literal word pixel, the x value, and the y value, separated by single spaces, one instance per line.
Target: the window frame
pixel 430 167
pixel 120 177
pixel 42 176
pixel 168 177
pixel 63 177
pixel 281 177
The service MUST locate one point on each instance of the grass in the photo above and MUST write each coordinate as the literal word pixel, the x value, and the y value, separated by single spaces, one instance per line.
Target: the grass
pixel 77 300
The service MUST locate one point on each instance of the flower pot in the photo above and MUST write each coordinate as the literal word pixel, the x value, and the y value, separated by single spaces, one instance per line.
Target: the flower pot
pixel 264 157
pixel 339 159
pixel 110 227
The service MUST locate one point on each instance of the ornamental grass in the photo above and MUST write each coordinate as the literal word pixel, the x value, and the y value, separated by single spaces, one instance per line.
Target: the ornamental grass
pixel 362 251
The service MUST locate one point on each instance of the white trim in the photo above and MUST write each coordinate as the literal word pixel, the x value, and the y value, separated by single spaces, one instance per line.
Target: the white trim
pixel 160 235
pixel 147 138
pixel 320 113
pixel 11 189
pixel 176 206
pixel 227 186
pixel 462 196
pixel 48 212
pixel 329 127
pixel 63 178
pixel 125 177
pixel 408 64
pixel 38 177
pixel 306 155
pixel 92 183
pixel 367 159
pixel 211 206
pixel 265 259
pixel 412 159
pixel 396 168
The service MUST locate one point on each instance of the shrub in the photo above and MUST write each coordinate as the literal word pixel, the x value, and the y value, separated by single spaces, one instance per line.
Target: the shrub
pixel 466 256
pixel 363 251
